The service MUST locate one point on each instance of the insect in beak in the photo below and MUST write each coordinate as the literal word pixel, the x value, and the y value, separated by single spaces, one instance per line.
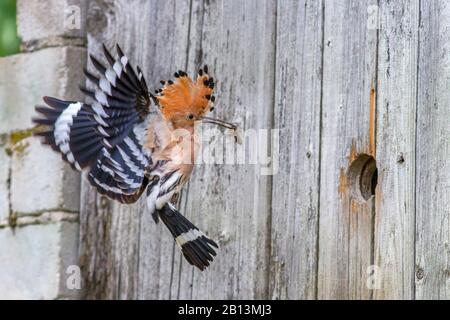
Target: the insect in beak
pixel 219 122
pixel 224 124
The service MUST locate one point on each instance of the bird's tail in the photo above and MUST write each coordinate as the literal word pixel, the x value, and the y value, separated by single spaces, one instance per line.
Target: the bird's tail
pixel 196 247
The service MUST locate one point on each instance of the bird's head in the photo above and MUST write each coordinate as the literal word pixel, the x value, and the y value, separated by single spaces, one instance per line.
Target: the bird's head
pixel 184 101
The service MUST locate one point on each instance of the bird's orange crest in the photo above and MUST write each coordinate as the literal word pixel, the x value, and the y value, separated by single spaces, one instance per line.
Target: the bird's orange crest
pixel 184 100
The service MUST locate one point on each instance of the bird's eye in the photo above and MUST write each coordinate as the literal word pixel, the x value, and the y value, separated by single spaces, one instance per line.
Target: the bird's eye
pixel 212 109
pixel 190 116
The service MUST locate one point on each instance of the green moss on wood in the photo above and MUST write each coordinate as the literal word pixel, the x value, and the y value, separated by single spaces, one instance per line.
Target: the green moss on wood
pixel 8 152
pixel 15 139
pixel 21 147
pixel 19 135
pixel 12 219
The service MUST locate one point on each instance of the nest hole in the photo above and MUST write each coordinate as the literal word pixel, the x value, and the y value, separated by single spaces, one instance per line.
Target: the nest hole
pixel 362 176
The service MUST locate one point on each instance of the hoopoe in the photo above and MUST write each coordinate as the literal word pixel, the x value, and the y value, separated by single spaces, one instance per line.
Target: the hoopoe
pixel 127 147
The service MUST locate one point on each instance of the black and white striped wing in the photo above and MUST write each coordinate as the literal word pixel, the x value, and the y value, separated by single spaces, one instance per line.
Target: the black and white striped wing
pixel 69 128
pixel 106 136
pixel 119 172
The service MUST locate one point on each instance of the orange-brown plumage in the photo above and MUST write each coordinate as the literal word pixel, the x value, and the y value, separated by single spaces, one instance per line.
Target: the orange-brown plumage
pixel 184 101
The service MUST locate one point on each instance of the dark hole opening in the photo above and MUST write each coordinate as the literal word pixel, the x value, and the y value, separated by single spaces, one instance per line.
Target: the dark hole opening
pixel 374 181
pixel 363 177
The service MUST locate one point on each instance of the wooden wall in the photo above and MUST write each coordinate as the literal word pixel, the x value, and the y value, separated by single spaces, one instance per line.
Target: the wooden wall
pixel 338 78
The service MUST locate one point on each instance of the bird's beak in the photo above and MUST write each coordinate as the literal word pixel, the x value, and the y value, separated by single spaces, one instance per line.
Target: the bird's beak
pixel 219 122
pixel 228 125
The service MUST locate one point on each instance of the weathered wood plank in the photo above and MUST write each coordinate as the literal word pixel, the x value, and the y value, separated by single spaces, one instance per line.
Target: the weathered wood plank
pixel 433 153
pixel 297 115
pixel 140 260
pixel 123 253
pixel 314 70
pixel 396 129
pixel 232 202
pixel 349 73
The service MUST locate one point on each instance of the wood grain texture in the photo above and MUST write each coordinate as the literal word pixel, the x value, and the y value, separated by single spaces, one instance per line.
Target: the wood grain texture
pixel 336 87
pixel 232 202
pixel 396 130
pixel 297 115
pixel 433 153
pixel 349 73
pixel 123 253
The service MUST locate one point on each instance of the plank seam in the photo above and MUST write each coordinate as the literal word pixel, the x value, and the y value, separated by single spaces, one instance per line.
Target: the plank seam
pixel 374 209
pixel 416 148
pixel 316 289
pixel 270 184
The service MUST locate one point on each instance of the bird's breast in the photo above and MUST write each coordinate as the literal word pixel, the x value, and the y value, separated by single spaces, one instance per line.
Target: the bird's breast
pixel 176 148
